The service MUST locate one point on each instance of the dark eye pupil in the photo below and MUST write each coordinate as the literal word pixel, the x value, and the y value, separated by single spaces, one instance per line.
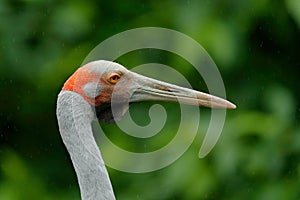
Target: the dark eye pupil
pixel 115 78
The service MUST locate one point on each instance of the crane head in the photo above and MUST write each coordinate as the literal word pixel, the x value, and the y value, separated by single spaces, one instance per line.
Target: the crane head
pixel 106 85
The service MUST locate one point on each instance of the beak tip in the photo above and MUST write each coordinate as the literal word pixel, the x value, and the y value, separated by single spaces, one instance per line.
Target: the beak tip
pixel 231 105
pixel 217 102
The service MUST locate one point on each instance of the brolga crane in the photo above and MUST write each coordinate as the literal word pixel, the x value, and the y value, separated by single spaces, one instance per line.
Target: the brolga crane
pixel 87 96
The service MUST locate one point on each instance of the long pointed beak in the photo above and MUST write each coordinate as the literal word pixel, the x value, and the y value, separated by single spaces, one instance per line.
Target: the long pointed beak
pixel 147 89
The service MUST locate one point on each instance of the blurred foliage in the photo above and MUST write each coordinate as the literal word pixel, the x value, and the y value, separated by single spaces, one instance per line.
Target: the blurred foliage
pixel 255 44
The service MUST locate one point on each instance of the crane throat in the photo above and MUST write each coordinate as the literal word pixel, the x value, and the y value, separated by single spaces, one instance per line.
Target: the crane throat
pixel 107 113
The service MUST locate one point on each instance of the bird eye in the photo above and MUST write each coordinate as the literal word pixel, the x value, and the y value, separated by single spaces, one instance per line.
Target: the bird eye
pixel 114 78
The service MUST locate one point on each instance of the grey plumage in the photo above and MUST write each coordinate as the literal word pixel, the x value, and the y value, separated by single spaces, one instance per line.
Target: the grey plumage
pixel 75 116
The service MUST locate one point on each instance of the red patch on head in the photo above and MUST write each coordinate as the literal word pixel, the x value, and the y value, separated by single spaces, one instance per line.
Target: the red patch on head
pixel 81 77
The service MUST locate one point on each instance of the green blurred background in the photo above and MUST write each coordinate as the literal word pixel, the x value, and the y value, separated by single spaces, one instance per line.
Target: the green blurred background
pixel 256 46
